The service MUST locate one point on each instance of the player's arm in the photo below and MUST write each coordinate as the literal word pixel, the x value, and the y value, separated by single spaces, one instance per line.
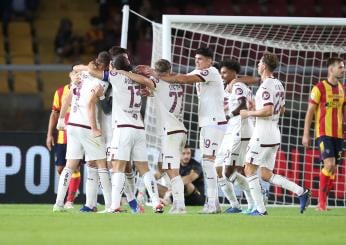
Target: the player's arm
pixel 240 107
pixel 249 80
pixel 53 120
pixel 138 79
pixel 80 67
pixel 266 111
pixel 182 79
pixel 307 123
pixel 191 177
pixel 64 108
pixel 91 109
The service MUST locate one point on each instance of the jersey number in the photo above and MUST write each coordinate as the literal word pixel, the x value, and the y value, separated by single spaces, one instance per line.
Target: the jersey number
pixel 175 101
pixel 135 90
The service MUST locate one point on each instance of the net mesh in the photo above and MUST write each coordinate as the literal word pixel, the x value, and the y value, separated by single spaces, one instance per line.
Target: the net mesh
pixel 302 51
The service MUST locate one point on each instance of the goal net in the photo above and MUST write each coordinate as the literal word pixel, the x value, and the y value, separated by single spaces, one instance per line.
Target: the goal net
pixel 302 46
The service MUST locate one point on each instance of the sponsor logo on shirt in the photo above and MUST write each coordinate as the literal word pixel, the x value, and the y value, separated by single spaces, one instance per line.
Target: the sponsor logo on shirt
pixel 113 73
pixel 238 91
pixel 204 72
pixel 265 95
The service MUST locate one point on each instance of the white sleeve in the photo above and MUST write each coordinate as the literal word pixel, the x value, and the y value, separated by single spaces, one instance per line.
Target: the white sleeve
pixel 267 96
pixel 239 91
pixel 203 74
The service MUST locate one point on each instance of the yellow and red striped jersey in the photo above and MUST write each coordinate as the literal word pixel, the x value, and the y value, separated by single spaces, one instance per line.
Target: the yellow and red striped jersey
pixel 330 101
pixel 59 96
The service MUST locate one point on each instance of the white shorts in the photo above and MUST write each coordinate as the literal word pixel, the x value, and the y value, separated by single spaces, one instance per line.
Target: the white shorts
pixel 232 151
pixel 128 144
pixel 211 138
pixel 81 142
pixel 261 156
pixel 172 147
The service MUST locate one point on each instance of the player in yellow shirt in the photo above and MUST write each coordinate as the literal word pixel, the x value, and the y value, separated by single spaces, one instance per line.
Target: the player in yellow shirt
pixel 327 106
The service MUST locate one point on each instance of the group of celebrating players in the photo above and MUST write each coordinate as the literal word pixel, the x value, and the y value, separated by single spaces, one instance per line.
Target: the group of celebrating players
pixel 239 132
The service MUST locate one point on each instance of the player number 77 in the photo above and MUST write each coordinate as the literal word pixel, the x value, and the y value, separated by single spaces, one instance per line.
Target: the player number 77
pixel 175 101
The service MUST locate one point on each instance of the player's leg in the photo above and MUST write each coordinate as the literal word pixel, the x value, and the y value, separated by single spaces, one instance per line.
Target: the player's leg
pixel 64 182
pixel 237 175
pixel 172 149
pixel 91 187
pixel 140 158
pixel 105 181
pixel 121 147
pixel 210 141
pixel 74 153
pixel 223 163
pixel 253 159
pixel 129 190
pixel 73 188
pixel 118 183
pixel 278 180
pixel 331 154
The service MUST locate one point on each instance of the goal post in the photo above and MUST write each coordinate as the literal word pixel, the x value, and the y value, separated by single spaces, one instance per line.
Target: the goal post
pixel 302 46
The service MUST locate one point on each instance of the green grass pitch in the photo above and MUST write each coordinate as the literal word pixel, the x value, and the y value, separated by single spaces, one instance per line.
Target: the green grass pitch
pixel 37 224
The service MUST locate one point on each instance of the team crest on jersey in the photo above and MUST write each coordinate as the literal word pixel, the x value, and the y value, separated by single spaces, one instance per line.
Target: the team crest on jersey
pixel 113 73
pixel 238 91
pixel 204 72
pixel 265 95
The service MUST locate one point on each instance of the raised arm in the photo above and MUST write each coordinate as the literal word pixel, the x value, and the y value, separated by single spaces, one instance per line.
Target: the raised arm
pixel 182 79
pixel 138 78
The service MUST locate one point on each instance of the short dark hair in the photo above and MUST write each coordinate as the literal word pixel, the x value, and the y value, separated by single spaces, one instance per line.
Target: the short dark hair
pixel 270 60
pixel 162 65
pixel 103 58
pixel 205 51
pixel 231 64
pixel 334 60
pixel 116 50
pixel 121 63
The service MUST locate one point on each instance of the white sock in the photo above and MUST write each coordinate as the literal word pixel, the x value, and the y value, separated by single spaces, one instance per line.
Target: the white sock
pixel 178 191
pixel 244 185
pixel 129 189
pixel 256 192
pixel 286 184
pixel 228 189
pixel 210 177
pixel 118 182
pixel 91 187
pixel 167 180
pixel 106 186
pixel 64 182
pixel 151 186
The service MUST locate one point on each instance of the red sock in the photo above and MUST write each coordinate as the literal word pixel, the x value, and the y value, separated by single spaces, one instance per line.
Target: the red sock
pixel 322 193
pixel 73 187
pixel 330 184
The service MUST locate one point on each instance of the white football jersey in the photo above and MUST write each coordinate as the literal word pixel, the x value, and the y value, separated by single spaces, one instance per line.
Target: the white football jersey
pixel 211 97
pixel 106 124
pixel 270 92
pixel 81 94
pixel 169 107
pixel 243 126
pixel 126 101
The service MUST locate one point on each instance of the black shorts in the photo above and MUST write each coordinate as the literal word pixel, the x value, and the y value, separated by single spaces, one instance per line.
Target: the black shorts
pixel 195 199
pixel 60 153
pixel 330 147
